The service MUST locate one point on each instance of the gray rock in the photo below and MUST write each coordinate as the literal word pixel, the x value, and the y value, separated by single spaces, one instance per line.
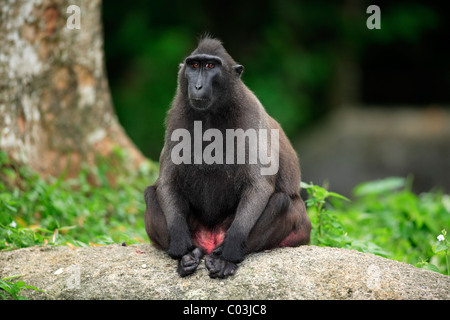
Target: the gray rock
pixel 142 272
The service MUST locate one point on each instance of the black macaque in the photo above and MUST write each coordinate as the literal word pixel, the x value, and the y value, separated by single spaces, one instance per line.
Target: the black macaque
pixel 224 209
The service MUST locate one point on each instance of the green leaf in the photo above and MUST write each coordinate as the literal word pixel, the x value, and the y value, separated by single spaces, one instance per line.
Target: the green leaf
pixel 13 209
pixel 430 267
pixel 67 228
pixel 33 288
pixel 79 243
pixel 305 185
pixel 440 247
pixel 446 202
pixel 337 195
pixel 12 277
pixel 5 286
pixel 9 288
pixel 379 186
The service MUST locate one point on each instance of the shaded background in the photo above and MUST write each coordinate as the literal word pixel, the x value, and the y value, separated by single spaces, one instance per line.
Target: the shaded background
pixel 357 104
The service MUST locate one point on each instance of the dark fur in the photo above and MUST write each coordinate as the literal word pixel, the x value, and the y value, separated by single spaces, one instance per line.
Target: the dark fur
pixel 257 212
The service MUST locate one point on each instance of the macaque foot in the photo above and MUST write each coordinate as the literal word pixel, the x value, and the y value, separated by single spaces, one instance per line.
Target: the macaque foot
pixel 189 262
pixel 219 268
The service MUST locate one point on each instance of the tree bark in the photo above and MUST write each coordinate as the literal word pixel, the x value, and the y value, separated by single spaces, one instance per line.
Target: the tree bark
pixel 55 106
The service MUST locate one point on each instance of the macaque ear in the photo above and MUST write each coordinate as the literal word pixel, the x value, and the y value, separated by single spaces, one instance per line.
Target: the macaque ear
pixel 238 69
pixel 181 65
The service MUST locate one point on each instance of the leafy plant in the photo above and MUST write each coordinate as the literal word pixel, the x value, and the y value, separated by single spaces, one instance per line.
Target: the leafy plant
pixel 443 247
pixel 14 289
pixel 387 213
pixel 328 229
pixel 326 223
pixel 91 209
pixel 385 218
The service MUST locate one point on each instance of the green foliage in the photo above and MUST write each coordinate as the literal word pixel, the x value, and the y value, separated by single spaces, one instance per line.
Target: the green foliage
pixel 384 218
pixel 328 230
pixel 14 289
pixel 89 209
pixel 442 248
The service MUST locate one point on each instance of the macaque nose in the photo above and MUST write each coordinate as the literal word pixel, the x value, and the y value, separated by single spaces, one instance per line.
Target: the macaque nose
pixel 198 85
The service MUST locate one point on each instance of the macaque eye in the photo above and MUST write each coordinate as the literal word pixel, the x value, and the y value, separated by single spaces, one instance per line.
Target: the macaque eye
pixel 210 65
pixel 195 65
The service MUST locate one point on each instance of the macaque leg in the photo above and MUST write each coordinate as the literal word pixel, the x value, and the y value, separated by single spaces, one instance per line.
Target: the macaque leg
pixel 157 231
pixel 284 223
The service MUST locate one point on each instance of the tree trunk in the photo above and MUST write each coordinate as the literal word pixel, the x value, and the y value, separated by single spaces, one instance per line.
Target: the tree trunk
pixel 55 106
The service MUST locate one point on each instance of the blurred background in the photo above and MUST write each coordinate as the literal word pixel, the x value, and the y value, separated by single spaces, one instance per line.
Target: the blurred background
pixel 357 104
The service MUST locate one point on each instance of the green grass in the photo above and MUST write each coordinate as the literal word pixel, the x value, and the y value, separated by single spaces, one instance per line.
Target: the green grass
pixel 383 217
pixel 90 209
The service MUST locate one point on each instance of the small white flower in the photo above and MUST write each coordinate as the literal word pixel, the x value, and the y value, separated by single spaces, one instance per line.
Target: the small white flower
pixel 440 237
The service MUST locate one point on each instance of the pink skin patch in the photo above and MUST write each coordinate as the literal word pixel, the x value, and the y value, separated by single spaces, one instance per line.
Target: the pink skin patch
pixel 292 240
pixel 208 239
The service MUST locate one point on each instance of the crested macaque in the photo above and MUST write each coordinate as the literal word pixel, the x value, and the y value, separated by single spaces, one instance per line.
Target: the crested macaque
pixel 224 208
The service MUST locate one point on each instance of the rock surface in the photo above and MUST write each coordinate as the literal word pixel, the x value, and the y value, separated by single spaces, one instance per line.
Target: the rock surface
pixel 142 272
